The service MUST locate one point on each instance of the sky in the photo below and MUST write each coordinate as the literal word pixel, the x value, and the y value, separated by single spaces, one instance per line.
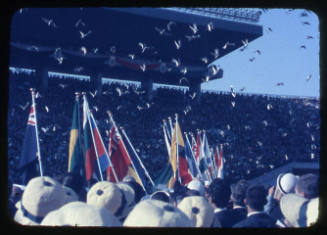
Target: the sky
pixel 282 59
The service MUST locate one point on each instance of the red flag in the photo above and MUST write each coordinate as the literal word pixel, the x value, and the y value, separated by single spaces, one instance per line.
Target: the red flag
pixel 119 157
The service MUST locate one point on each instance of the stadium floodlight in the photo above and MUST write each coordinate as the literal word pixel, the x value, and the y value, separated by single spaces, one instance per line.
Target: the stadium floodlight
pixel 234 14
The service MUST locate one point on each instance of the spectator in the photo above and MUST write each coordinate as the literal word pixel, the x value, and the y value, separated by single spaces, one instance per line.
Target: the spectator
pixel 254 201
pixel 239 210
pixel 219 194
pixel 299 211
pixel 308 186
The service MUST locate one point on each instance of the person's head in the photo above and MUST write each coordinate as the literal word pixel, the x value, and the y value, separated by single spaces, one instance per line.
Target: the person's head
pixel 308 186
pixel 219 193
pixel 161 196
pixel 255 197
pixel 239 192
pixel 285 184
pixel 195 188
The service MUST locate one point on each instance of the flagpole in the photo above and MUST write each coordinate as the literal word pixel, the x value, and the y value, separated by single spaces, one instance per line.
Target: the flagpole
pixel 113 122
pixel 113 170
pixel 138 158
pixel 91 130
pixel 165 136
pixel 37 133
pixel 197 167
pixel 177 155
pixel 171 125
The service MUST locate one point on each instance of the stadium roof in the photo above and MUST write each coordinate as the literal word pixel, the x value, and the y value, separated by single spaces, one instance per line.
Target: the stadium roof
pixel 130 43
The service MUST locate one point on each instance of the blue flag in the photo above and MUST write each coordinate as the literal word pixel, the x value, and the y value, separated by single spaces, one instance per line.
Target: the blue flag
pixel 190 159
pixel 28 160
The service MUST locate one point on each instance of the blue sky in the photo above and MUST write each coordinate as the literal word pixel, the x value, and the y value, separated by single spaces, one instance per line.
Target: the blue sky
pixel 282 59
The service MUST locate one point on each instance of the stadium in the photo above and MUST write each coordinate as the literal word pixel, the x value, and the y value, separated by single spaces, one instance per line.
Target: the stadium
pixel 258 133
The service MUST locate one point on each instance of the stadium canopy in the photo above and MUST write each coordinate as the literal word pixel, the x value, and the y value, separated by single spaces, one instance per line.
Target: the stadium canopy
pixel 137 44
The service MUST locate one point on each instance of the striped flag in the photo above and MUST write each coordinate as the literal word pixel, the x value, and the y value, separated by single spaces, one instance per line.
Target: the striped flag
pixel 207 155
pixel 179 166
pixel 120 159
pixel 192 165
pixel 220 163
pixel 75 154
pixel 28 161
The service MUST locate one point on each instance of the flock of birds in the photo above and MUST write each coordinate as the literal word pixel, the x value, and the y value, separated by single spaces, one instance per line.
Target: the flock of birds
pixel 80 26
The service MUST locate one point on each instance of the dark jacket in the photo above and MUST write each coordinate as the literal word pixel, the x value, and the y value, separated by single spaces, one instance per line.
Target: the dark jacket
pixel 260 220
pixel 227 218
pixel 238 214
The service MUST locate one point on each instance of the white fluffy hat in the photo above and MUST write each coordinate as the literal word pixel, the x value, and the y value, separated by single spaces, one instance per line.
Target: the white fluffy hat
pixel 196 185
pixel 154 213
pixel 198 210
pixel 42 195
pixel 80 214
pixel 105 194
pixel 299 211
pixel 127 200
pixel 286 182
pixel 70 195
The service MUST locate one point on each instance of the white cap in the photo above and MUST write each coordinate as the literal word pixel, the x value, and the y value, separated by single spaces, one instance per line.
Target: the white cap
pixel 197 186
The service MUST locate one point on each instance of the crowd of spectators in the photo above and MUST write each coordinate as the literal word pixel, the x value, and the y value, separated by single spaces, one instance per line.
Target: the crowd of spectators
pixel 47 202
pixel 258 133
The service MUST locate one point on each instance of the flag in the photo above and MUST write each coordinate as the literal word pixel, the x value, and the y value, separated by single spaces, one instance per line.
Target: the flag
pixel 197 148
pixel 182 170
pixel 89 152
pixel 220 164
pixel 202 159
pixel 167 140
pixel 120 159
pixel 75 154
pixel 207 155
pixel 99 146
pixel 136 162
pixel 190 158
pixel 28 161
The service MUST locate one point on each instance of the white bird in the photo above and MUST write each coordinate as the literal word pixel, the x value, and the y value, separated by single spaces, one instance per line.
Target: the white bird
pixel 95 50
pixel 143 67
pixel 83 35
pixel 269 106
pixel 233 94
pixel 132 56
pixel 215 53
pixel 191 37
pixel 143 46
pixel 252 59
pixel 183 70
pixel 242 89
pixel 228 44
pixel 25 106
pixel 258 52
pixel 79 22
pixel 193 95
pixel 93 94
pixel 33 48
pixel 84 51
pixel 309 37
pixel 177 62
pixel 119 91
pixel 44 129
pixel 37 95
pixel 49 22
pixel 215 69
pixel 245 44
pixel 178 44
pixel 306 23
pixel 183 78
pixel 139 107
pixel 78 69
pixel 194 28
pixel 62 85
pixel 280 84
pixel 54 128
pixel 162 31
pixel 205 60
pixel 96 108
pixel 147 105
pixel 210 26
pixel 308 77
pixel 170 23
pixel 206 79
pixel 233 104
pixel 46 108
